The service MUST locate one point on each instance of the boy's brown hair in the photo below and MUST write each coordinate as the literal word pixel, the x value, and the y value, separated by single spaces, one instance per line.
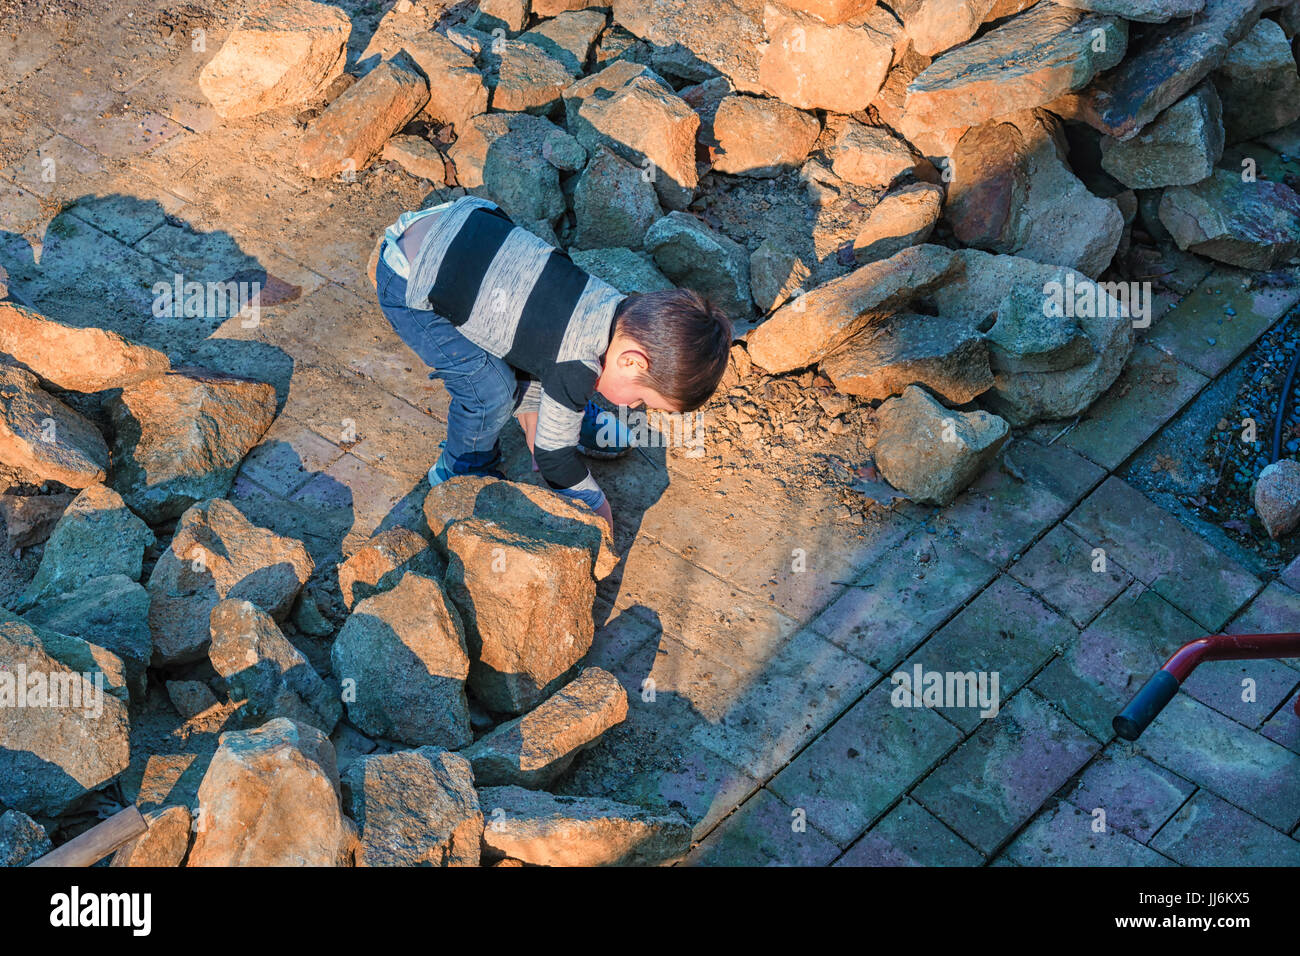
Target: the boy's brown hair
pixel 686 338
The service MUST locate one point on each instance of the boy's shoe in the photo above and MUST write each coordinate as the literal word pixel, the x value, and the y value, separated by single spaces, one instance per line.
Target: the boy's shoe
pixel 441 471
pixel 603 435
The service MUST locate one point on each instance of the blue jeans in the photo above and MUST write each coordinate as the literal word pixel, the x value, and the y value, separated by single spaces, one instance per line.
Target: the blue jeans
pixel 484 389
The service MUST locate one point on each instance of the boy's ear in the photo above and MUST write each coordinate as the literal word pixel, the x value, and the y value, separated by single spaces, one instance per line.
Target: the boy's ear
pixel 633 358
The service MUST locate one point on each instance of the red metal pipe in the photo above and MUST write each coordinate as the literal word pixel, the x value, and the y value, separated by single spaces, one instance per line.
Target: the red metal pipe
pixel 1226 647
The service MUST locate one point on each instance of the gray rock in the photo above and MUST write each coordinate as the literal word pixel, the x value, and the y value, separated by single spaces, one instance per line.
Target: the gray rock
pixel 414 808
pixel 902 218
pixel 383 560
pixel 775 274
pixel 1253 225
pixel 22 839
pixel 1178 148
pixel 1258 83
pixel 692 255
pixel 1277 497
pixel 44 438
pixel 871 156
pixel 568 37
pixel 1143 11
pixel 724 35
pixel 527 78
pixel 499 155
pixel 627 270
pixel 614 203
pixel 190 697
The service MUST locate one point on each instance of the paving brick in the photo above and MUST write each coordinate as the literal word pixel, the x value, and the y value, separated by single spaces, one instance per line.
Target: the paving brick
pixel 764 832
pixel 1209 832
pixel 320 527
pixel 1113 657
pixel 909 835
pixel 1064 835
pixel 1223 685
pixel 619 635
pixel 1202 334
pixel 1152 387
pixel 999 777
pixel 1284 726
pixel 1156 549
pixel 1007 507
pixel 1060 567
pixel 57 169
pixel 896 603
pixel 1006 630
pixel 863 763
pixel 1222 756
pixel 288 456
pixel 1275 610
pixel 785 701
pixel 1137 796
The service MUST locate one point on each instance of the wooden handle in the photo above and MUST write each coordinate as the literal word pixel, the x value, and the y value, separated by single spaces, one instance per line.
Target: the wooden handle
pixel 97 842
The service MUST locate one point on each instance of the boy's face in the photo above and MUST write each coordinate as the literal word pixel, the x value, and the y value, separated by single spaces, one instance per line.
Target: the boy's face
pixel 624 364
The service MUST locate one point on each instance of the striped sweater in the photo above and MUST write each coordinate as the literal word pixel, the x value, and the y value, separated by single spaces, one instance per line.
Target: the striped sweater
pixel 524 301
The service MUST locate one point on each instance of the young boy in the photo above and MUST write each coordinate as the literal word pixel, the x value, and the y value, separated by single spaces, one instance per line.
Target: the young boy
pixel 512 326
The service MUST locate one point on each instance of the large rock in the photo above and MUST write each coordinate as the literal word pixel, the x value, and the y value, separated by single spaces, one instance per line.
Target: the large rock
pixel 457 90
pixel 1178 148
pixel 947 356
pixel 282 54
pixel 111 612
pixel 775 274
pixel 41 436
pixel 265 671
pixel 870 156
pixel 903 218
pixel 63 718
pixel 355 127
pixel 270 797
pixel 512 14
pixel 627 270
pixel 615 203
pixel 502 156
pixel 532 750
pixel 96 537
pixel 814 65
pixel 762 137
pixel 402 663
pixel 568 37
pixel 414 808
pixel 694 256
pixel 931 453
pixel 165 843
pixel 1277 497
pixel 937 25
pixel 1253 225
pixel 526 602
pixel 383 560
pixel 1168 64
pixel 1026 62
pixel 528 79
pixel 78 360
pixel 216 554
pixel 547 830
pixel 633 111
pixel 1012 192
pixel 31 519
pixel 521 509
pixel 181 439
pixel 726 36
pixel 1258 84
pixel 22 839
pixel 417 156
pixel 815 324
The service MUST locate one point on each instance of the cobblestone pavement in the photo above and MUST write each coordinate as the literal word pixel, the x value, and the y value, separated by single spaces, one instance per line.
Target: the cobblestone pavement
pixel 760 693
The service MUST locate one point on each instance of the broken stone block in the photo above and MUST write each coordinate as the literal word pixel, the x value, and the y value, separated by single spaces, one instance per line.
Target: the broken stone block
pixel 414 808
pixel 775 274
pixel 528 79
pixel 870 156
pixel 500 155
pixel 931 453
pixel 627 270
pixel 762 137
pixel 354 128
pixel 30 519
pixel 945 355
pixel 217 553
pixel 815 324
pixel 614 203
pixel 1277 497
pixel 1178 148
pixel 1258 84
pixel 726 36
pixel 181 438
pixel 63 718
pixel 903 218
pixel 1253 225
pixel 992 76
pixel 190 697
pixel 634 112
pixel 937 25
pixel 263 669
pixel 512 14
pixel 78 360
pixel 382 561
pixel 402 662
pixel 522 509
pixel 526 603
pixel 165 843
pixel 283 54
pixel 694 256
pixel 111 612
pixel 1143 11
pixel 1012 192
pixel 41 436
pixel 811 64
pixel 705 98
pixel 548 830
pixel 96 537
pixel 457 90
pixel 417 156
pixel 270 797
pixel 532 750
pixel 22 839
pixel 569 37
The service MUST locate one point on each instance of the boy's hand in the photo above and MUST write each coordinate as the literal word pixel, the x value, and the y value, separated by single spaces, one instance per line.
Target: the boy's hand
pixel 608 514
